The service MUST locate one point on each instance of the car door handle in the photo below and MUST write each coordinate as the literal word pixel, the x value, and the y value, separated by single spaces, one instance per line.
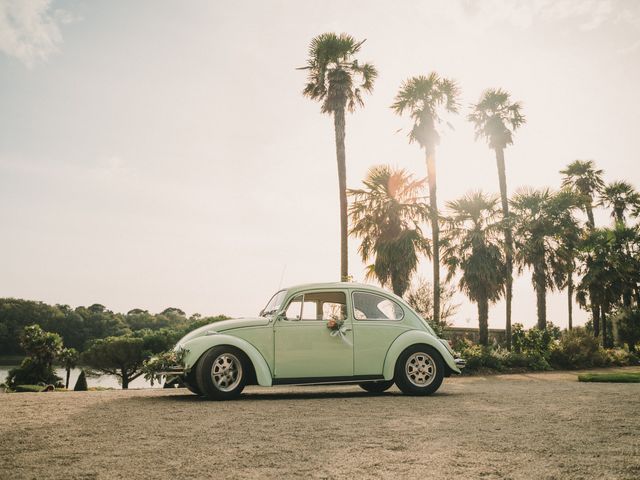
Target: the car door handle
pixel 346 329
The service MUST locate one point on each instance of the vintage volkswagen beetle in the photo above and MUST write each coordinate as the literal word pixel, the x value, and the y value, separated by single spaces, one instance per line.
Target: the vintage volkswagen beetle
pixel 318 334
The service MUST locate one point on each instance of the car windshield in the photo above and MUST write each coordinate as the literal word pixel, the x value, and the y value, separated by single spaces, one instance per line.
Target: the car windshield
pixel 274 304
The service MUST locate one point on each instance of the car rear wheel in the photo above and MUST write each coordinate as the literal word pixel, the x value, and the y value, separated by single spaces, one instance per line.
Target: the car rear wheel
pixel 419 370
pixel 377 387
pixel 221 374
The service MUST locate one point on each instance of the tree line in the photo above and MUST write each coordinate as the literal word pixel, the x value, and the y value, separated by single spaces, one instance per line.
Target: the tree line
pixel 480 239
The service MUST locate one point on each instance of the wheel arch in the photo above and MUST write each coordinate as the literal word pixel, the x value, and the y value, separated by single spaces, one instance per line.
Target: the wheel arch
pixel 196 347
pixel 408 339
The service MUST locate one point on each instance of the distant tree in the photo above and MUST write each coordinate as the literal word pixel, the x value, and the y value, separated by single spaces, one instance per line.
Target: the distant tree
pixel 42 348
pixel 496 118
pixel 124 356
pixel 336 79
pixel 586 180
pixel 621 198
pixel 426 98
pixel 472 245
pixel 173 310
pixel 541 218
pixel 386 216
pixel 628 321
pixel 68 357
pixel 420 298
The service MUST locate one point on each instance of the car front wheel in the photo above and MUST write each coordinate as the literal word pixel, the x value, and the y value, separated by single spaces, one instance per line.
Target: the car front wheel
pixel 419 370
pixel 222 373
pixel 377 387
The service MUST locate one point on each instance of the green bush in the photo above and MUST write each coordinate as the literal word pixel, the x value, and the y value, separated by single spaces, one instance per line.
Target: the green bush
pixel 81 383
pixel 628 321
pixel 31 372
pixel 577 348
pixel 526 361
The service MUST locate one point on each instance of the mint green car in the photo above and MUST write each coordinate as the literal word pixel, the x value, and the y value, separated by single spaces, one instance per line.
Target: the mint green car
pixel 326 333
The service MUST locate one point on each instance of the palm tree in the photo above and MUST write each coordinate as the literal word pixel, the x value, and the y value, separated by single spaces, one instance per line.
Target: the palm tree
pixel 425 98
pixel 336 79
pixel 585 180
pixel 540 221
pixel 496 118
pixel 386 216
pixel 472 244
pixel 568 243
pixel 621 197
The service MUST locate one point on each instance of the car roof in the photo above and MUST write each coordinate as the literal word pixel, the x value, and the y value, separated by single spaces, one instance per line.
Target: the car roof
pixel 349 285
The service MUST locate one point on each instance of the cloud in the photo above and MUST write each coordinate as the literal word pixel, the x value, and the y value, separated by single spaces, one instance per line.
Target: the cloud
pixel 590 14
pixel 30 29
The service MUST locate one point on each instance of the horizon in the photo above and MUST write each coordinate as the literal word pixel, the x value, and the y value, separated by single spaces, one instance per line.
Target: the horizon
pixel 177 164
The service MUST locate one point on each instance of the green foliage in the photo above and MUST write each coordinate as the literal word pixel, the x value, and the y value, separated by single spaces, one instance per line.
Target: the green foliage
pixel 495 118
pixel 32 372
pixel 577 349
pixel 153 367
pixel 124 356
pixel 628 321
pixel 386 216
pixel 42 348
pixel 420 298
pixel 623 377
pixel 335 77
pixel 81 383
pixel 534 341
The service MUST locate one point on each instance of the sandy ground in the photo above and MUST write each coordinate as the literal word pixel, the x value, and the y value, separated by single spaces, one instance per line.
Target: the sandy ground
pixel 511 426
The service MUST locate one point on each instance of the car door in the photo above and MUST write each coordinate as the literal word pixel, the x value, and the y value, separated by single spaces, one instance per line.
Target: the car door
pixel 305 349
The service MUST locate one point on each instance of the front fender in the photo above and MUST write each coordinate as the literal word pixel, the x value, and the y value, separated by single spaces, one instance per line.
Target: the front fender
pixel 409 338
pixel 196 347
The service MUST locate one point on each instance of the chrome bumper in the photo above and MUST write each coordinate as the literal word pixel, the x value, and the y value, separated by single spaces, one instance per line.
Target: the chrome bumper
pixel 460 362
pixel 172 371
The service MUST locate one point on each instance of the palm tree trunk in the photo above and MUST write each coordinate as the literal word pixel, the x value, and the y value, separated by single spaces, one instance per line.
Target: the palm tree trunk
pixel 541 298
pixel 483 321
pixel 435 232
pixel 339 127
pixel 590 220
pixel 595 312
pixel 66 383
pixel 603 319
pixel 508 239
pixel 570 298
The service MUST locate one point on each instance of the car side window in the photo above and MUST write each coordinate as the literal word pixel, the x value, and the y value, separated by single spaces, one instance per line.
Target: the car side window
pixel 324 306
pixel 294 308
pixel 371 306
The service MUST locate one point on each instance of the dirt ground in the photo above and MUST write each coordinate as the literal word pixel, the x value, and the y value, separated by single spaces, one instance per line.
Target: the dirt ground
pixel 510 426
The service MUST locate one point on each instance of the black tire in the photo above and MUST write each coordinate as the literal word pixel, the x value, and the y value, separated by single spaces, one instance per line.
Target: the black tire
pixel 191 383
pixel 215 358
pixel 377 387
pixel 428 360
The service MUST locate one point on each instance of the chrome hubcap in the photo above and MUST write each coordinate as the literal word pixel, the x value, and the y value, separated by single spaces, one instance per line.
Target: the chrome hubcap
pixel 226 372
pixel 420 369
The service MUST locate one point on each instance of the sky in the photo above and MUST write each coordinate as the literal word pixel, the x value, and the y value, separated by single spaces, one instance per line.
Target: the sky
pixel 160 153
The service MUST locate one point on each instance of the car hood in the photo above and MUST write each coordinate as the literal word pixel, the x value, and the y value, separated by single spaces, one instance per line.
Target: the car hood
pixel 224 325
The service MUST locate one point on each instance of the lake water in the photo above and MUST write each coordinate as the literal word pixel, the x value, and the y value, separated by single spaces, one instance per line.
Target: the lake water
pixel 106 381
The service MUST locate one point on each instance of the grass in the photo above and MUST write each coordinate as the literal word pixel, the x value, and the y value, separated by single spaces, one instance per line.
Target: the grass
pixel 624 377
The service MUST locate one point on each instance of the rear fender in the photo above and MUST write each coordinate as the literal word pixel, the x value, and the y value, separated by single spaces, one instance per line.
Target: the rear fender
pixel 413 337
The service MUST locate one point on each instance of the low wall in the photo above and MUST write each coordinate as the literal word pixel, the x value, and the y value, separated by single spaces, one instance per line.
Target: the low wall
pixel 497 336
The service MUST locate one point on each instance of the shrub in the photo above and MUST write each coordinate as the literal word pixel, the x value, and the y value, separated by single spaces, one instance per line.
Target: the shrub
pixel 526 361
pixel 32 372
pixel 628 321
pixel 81 383
pixel 534 342
pixel 577 348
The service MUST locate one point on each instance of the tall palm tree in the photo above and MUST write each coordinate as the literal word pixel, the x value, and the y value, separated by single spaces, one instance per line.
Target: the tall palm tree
pixel 426 98
pixel 336 79
pixel 621 198
pixel 540 221
pixel 386 215
pixel 568 243
pixel 585 180
pixel 496 118
pixel 472 244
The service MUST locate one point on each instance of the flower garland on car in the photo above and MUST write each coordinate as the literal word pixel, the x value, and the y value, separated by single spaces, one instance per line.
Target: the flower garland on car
pixel 336 326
